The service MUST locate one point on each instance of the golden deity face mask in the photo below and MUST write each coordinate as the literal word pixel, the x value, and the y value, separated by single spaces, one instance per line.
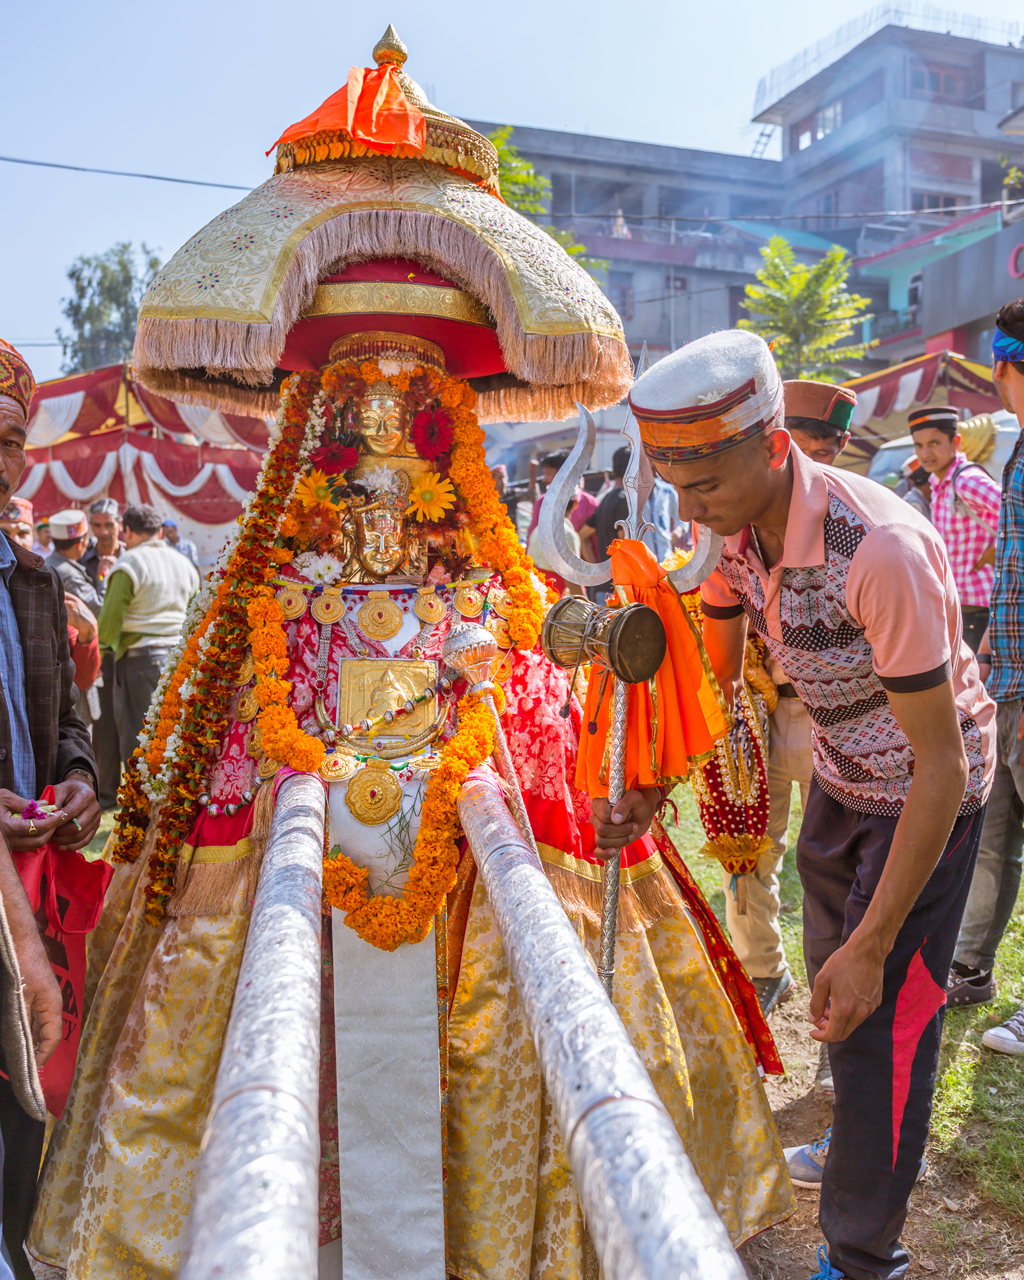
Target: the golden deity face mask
pixel 382 418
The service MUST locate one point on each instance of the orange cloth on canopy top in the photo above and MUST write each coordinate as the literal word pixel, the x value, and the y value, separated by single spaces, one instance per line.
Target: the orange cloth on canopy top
pixel 371 107
pixel 676 718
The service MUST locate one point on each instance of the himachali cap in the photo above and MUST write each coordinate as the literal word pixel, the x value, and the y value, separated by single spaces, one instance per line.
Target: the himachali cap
pixel 707 397
pixel 66 525
pixel 17 511
pixel 932 415
pixel 16 378
pixel 822 401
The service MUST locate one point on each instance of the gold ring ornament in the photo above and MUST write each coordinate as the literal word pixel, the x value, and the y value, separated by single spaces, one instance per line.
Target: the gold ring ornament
pixel 31 827
pixel 380 618
pixel 374 795
pixel 247 670
pixel 469 600
pixel 268 768
pixel 246 708
pixel 337 766
pixel 329 607
pixel 293 603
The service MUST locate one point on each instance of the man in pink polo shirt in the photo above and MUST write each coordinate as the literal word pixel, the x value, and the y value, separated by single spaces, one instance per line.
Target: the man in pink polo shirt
pixel 854 598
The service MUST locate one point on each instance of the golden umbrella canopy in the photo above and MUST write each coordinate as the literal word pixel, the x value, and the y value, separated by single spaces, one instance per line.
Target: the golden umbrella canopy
pixel 383 215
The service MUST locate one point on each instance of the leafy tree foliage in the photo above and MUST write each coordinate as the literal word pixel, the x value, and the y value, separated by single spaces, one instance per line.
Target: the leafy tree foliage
pixel 104 306
pixel 529 192
pixel 807 311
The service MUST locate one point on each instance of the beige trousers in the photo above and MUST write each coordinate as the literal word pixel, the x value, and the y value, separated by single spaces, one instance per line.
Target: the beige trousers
pixel 755 932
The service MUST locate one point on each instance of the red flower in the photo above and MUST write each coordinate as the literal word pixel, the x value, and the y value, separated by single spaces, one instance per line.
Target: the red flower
pixel 432 434
pixel 334 459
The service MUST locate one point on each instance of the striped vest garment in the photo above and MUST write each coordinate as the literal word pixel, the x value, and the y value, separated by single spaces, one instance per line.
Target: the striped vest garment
pixel 862 757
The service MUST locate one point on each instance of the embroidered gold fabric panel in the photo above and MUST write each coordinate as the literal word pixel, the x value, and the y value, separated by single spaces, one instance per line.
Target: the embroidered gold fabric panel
pixel 233 269
pixel 513 1212
pixel 369 687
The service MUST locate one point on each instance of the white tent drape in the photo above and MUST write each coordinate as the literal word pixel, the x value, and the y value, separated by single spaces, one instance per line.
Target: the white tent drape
pixel 54 418
pixel 86 492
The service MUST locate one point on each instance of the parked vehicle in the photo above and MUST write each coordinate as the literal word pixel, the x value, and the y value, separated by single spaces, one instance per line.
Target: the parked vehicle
pixel 887 462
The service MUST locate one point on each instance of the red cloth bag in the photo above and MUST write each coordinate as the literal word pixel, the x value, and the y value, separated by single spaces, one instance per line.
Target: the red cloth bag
pixel 66 894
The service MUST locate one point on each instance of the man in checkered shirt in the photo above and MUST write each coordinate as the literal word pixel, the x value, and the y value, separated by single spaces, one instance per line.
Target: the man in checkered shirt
pixel 965 510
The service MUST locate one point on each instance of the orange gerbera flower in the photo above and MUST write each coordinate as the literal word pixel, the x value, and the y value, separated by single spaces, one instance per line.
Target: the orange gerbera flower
pixel 315 490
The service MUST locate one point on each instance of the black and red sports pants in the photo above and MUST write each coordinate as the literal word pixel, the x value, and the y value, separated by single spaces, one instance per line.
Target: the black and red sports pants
pixel 884 1072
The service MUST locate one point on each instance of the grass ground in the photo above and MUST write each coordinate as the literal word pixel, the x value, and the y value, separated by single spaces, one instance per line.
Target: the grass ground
pixel 967 1216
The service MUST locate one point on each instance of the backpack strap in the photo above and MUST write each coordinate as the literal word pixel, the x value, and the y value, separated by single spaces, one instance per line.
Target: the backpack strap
pixel 960 506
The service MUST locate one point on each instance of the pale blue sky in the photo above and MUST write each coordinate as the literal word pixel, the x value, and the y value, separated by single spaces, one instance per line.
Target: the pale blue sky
pixel 201 88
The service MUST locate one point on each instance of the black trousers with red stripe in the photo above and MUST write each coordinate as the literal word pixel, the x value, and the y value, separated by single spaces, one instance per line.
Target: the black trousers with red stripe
pixel 884 1072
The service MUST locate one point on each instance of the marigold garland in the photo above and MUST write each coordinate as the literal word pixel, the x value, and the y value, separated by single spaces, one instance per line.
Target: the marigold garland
pixel 385 921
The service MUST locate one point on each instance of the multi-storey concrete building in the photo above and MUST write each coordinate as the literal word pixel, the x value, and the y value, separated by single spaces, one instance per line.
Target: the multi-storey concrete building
pixel 890 140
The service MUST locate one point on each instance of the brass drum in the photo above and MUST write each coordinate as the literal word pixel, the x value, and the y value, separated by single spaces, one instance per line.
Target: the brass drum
pixel 630 641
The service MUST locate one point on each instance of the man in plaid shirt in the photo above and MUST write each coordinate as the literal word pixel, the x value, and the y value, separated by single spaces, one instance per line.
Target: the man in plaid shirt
pixel 998 871
pixel 965 511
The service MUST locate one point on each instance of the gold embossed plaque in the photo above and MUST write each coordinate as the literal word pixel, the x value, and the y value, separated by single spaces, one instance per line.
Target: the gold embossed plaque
pixel 380 618
pixel 368 687
pixel 374 795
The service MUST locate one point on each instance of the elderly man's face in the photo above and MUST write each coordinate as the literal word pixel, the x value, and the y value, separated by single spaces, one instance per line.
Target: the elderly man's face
pixel 106 529
pixel 727 491
pixel 18 532
pixel 12 447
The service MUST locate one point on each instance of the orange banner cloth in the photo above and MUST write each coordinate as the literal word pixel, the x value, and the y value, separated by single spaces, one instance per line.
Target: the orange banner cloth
pixel 371 108
pixel 676 718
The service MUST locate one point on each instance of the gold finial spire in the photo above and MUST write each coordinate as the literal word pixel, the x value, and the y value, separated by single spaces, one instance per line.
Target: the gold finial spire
pixel 389 48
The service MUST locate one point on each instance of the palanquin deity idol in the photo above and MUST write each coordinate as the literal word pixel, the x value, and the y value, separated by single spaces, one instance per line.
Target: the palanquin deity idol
pixel 380 297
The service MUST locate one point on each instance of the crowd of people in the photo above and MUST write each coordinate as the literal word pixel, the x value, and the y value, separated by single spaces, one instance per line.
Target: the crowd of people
pixel 894 636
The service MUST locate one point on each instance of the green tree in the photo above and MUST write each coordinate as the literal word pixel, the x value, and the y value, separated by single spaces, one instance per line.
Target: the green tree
pixel 104 307
pixel 806 311
pixel 528 192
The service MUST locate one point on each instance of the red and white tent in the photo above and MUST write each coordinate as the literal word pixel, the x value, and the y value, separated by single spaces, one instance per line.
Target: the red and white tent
pixel 99 434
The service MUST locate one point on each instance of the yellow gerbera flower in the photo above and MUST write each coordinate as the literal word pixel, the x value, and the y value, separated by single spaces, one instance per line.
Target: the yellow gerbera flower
pixel 431 497
pixel 314 490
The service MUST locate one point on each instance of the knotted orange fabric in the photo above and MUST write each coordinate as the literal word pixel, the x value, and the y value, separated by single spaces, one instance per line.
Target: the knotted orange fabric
pixel 371 108
pixel 676 718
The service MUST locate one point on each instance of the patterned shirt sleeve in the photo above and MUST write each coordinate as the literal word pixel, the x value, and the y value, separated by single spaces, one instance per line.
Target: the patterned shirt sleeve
pixel 980 493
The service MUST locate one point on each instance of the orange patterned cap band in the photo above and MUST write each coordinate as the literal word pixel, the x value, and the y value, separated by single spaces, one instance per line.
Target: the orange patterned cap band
pixel 16 378
pixel 694 431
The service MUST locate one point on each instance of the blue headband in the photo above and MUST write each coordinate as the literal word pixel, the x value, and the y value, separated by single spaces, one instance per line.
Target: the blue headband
pixel 1006 348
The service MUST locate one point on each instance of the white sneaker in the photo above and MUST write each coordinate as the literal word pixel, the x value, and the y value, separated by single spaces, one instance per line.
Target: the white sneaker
pixel 1007 1038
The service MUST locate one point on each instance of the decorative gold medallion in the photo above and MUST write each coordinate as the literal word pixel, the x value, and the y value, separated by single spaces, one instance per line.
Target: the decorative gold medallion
pixel 268 768
pixel 254 742
pixel 247 670
pixel 429 606
pixel 380 618
pixel 337 766
pixel 501 668
pixel 498 599
pixel 293 603
pixel 498 628
pixel 329 607
pixel 246 708
pixel 374 795
pixel 424 764
pixel 469 600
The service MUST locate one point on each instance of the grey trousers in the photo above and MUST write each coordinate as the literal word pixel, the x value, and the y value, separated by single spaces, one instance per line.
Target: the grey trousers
pixel 997 873
pixel 135 677
pixel 105 744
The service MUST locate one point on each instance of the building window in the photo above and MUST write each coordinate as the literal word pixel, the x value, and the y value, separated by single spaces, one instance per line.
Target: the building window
pixel 804 140
pixel 737 304
pixel 947 83
pixel 828 119
pixel 621 294
pixel 932 202
pixel 676 284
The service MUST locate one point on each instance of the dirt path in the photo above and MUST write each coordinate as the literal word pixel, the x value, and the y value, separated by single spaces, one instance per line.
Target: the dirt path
pixel 949 1231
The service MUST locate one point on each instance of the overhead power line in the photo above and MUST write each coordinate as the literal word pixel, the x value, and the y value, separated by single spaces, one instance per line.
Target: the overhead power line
pixel 120 173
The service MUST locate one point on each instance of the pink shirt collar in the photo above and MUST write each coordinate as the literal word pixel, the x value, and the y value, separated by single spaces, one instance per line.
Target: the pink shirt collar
pixel 805 525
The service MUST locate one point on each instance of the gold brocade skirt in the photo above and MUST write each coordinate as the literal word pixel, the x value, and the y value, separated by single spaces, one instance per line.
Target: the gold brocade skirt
pixel 117 1184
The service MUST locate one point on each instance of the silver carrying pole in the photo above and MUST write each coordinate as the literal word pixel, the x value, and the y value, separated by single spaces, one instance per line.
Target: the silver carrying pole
pixel 255 1204
pixel 645 1208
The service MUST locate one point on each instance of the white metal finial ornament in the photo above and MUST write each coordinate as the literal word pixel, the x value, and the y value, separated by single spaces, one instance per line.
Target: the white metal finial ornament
pixel 470 649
